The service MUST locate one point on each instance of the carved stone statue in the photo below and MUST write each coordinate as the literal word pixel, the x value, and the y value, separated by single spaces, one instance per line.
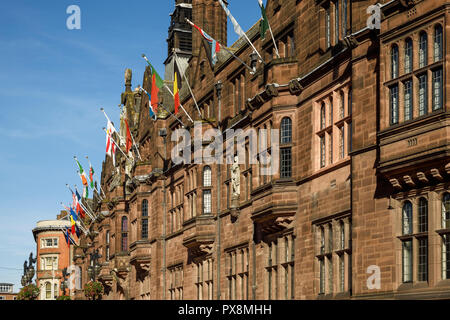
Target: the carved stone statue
pixel 235 178
pixel 31 261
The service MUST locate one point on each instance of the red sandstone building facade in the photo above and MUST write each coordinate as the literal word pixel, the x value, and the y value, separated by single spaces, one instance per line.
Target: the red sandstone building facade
pixel 363 179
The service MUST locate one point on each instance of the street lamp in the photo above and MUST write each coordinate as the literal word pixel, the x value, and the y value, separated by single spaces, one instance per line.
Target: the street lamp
pixel 64 281
pixel 94 268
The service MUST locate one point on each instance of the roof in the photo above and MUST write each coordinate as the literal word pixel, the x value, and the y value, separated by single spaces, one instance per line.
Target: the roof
pixel 50 225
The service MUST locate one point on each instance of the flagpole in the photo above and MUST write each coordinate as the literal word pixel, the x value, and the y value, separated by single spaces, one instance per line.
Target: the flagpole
pixel 270 28
pixel 65 230
pixel 117 145
pixel 134 143
pixel 89 213
pixel 83 228
pixel 176 118
pixel 227 11
pixel 187 82
pixel 170 91
pixel 90 166
pixel 165 86
pixel 226 49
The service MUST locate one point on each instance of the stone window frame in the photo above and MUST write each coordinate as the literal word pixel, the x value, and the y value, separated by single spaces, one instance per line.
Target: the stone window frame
pixel 237 270
pixel 431 65
pixel 286 136
pixel 43 262
pixel 280 266
pixel 328 152
pixel 176 281
pixel 144 219
pixel 205 279
pixel 331 277
pixel 124 245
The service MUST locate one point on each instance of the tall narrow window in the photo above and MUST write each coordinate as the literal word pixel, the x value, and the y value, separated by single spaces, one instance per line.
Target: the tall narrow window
pixel 407 218
pixel 341 142
pixel 206 201
pixel 407 260
pixel 341 105
pixel 207 192
pixel 342 273
pixel 408 55
pixel 423 260
pixel 330 147
pixel 331 110
pixel 423 94
pixel 286 149
pixel 423 215
pixel 48 291
pixel 107 245
pixel 322 117
pixel 446 256
pixel 394 61
pixel 330 274
pixel 438 43
pixel 342 235
pixel 144 219
pixel 393 101
pixel 336 22
pixel 322 151
pixel 423 50
pixel 124 234
pixel 344 18
pixel 408 100
pixel 328 27
pixel 321 276
pixel 446 211
pixel 437 89
pixel 207 176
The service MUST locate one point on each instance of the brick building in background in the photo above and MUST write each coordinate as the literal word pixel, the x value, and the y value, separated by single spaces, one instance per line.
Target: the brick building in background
pixel 7 292
pixel 53 255
pixel 363 179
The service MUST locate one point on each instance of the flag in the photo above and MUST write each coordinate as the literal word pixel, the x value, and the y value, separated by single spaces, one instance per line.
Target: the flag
pixel 129 139
pixel 85 192
pixel 82 174
pixel 157 83
pixel 69 239
pixel 237 27
pixel 91 176
pixel 215 49
pixel 73 218
pixel 176 93
pixel 150 109
pixel 264 24
pixel 110 145
pixel 78 206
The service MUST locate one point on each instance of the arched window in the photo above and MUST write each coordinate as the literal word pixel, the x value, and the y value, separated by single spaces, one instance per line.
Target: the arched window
pixel 124 234
pixel 438 43
pixel 423 215
pixel 322 116
pixel 408 55
pixel 407 218
pixel 394 61
pixel 144 219
pixel 285 148
pixel 207 176
pixel 48 291
pixel 423 50
pixel 446 211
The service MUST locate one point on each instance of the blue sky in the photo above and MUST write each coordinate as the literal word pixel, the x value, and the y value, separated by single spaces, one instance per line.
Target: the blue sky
pixel 52 83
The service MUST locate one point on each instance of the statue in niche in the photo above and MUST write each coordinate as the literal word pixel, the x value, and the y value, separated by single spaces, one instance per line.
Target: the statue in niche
pixel 235 179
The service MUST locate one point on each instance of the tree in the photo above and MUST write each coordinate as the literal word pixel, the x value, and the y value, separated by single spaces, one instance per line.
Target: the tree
pixel 29 292
pixel 93 290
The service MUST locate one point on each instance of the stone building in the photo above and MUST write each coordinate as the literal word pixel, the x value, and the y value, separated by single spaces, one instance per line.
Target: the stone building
pixel 53 255
pixel 359 204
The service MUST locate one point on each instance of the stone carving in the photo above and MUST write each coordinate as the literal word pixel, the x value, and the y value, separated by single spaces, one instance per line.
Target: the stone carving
pixel 295 87
pixel 235 178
